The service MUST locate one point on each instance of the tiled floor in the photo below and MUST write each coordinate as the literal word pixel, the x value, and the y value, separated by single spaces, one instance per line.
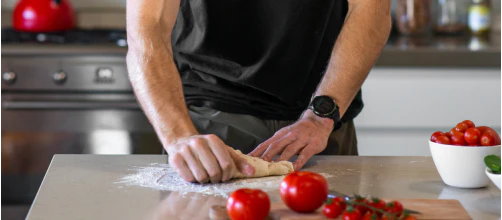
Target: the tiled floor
pixel 14 212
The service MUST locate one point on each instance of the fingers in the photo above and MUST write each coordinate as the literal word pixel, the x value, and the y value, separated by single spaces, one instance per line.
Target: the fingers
pixel 208 160
pixel 276 147
pixel 182 168
pixel 225 161
pixel 241 164
pixel 258 151
pixel 291 150
pixel 195 165
pixel 304 156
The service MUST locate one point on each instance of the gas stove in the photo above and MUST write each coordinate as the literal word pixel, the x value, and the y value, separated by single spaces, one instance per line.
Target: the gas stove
pixel 74 37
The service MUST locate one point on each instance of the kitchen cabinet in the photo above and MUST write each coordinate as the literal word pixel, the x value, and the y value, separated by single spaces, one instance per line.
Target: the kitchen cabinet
pixel 405 105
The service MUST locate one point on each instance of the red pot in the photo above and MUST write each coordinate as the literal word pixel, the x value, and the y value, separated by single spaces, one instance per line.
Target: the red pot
pixel 43 16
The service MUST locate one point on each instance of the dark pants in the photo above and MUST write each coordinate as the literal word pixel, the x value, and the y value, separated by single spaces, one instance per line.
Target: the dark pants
pixel 245 132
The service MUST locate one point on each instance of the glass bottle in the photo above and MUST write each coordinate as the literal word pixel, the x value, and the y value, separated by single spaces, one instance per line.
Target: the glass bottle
pixel 480 17
pixel 451 16
pixel 414 17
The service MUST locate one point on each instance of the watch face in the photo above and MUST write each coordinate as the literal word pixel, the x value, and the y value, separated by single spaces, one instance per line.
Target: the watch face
pixel 323 105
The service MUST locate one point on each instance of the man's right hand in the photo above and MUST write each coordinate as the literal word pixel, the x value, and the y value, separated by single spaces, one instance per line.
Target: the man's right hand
pixel 203 158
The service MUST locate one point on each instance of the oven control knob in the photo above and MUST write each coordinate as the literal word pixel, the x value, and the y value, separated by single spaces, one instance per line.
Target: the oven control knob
pixel 59 77
pixel 9 77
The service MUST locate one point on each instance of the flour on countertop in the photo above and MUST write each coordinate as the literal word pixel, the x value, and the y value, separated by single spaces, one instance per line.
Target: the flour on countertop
pixel 163 177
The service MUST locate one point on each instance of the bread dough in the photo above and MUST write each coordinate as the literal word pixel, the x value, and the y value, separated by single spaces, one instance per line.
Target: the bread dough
pixel 263 168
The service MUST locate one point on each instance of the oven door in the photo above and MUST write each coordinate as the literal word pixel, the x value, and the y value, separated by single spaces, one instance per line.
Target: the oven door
pixel 37 126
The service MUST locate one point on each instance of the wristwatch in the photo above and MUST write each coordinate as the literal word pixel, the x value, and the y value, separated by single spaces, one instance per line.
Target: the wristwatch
pixel 325 107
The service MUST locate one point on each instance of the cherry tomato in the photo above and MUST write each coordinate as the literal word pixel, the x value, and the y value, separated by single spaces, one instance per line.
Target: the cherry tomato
pixel 377 203
pixel 333 209
pixel 341 201
pixel 469 123
pixel 457 138
pixel 351 214
pixel 443 140
pixel 485 129
pixel 487 139
pixel 472 136
pixel 461 127
pixel 362 209
pixel 388 217
pixel 371 216
pixel 448 133
pixel 244 204
pixel 408 217
pixel 435 135
pixel 304 191
pixel 394 207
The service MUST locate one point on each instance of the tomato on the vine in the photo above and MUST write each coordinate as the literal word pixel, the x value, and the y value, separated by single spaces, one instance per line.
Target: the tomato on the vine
pixel 341 201
pixel 361 208
pixel 351 214
pixel 333 209
pixel 304 191
pixel 377 204
pixel 371 216
pixel 394 207
pixel 244 204
pixel 388 217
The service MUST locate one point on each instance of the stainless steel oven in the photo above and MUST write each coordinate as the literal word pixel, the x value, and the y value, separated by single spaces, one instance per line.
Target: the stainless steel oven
pixel 65 102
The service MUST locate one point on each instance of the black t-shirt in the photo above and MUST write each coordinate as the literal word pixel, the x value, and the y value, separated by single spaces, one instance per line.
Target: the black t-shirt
pixel 258 57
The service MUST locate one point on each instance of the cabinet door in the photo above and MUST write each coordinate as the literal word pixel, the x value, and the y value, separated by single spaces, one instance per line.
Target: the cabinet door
pixel 403 106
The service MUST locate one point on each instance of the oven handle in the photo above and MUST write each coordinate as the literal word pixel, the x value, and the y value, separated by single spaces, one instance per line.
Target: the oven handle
pixel 69 105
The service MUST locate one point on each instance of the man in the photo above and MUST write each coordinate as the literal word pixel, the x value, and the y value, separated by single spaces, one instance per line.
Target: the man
pixel 212 75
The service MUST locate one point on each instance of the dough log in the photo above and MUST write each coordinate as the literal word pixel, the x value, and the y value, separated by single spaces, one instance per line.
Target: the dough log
pixel 263 168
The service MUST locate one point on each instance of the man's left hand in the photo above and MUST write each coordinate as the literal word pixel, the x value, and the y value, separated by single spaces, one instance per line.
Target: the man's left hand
pixel 306 137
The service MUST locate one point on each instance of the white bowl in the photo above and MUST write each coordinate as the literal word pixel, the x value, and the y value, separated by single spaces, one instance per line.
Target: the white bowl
pixel 494 177
pixel 460 166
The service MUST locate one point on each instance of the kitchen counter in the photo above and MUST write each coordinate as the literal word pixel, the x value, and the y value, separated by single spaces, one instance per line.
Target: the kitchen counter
pixel 86 187
pixel 432 51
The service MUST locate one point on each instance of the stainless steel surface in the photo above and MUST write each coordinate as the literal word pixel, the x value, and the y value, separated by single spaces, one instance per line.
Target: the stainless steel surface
pixel 85 187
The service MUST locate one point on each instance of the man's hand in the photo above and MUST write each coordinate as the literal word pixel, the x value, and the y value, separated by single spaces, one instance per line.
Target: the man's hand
pixel 204 158
pixel 306 137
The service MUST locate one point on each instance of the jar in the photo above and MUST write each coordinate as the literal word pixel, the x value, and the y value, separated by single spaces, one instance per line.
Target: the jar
pixel 480 17
pixel 414 17
pixel 451 16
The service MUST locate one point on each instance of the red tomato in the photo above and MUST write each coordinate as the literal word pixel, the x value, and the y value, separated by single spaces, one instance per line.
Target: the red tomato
pixel 457 138
pixel 388 217
pixel 394 207
pixel 487 139
pixel 244 204
pixel 443 140
pixel 371 216
pixel 469 123
pixel 362 209
pixel 304 191
pixel 409 217
pixel 472 136
pixel 435 135
pixel 485 129
pixel 341 201
pixel 461 127
pixel 448 133
pixel 377 203
pixel 351 214
pixel 333 209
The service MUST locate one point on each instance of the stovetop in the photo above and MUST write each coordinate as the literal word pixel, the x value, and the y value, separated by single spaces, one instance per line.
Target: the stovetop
pixel 72 37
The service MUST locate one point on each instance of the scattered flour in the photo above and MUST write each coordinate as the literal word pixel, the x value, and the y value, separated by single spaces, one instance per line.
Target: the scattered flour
pixel 163 177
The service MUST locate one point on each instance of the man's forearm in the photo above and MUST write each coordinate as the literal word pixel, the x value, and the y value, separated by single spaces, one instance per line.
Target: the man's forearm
pixel 364 34
pixel 152 71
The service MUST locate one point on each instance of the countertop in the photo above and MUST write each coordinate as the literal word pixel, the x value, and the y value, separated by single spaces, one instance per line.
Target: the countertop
pixel 424 51
pixel 85 187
